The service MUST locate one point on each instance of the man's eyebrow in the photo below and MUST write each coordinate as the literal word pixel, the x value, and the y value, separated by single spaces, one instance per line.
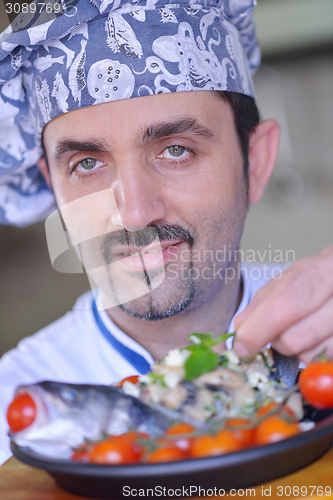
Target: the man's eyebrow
pixel 64 146
pixel 165 129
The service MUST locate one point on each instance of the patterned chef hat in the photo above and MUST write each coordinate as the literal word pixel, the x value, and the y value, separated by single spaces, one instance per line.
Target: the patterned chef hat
pixel 106 50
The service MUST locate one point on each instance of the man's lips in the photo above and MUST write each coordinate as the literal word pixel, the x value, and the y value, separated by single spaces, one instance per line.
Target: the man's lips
pixel 153 256
pixel 125 251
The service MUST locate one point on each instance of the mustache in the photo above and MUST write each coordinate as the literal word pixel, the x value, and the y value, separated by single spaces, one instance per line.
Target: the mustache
pixel 144 237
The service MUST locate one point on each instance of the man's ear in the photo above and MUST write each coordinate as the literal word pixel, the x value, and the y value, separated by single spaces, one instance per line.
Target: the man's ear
pixel 263 151
pixel 42 165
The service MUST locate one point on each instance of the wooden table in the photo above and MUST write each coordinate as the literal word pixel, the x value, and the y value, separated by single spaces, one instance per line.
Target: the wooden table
pixel 22 482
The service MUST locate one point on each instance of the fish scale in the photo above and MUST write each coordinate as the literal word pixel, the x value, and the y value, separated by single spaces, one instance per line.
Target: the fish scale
pixel 286 368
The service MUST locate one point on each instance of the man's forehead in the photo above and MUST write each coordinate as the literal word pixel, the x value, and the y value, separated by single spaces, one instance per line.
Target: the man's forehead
pixel 144 118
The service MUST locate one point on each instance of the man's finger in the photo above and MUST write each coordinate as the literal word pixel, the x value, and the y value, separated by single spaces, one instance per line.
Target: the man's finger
pixel 300 292
pixel 269 287
pixel 308 333
pixel 327 346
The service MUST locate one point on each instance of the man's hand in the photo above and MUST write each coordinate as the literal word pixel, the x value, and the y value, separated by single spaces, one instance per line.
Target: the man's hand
pixel 294 313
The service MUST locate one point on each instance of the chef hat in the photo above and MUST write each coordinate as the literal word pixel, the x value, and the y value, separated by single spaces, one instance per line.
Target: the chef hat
pixel 106 50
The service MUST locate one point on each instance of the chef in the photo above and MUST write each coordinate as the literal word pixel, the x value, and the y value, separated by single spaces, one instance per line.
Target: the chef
pixel 133 129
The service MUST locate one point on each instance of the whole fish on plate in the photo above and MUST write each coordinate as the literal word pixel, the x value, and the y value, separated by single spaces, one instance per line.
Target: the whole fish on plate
pixel 68 414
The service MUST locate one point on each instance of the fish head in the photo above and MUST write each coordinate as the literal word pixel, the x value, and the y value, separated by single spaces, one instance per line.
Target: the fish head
pixel 65 416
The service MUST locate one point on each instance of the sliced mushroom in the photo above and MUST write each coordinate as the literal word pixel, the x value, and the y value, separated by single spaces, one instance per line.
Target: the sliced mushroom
pixel 257 367
pixel 223 377
pixel 156 393
pixel 159 368
pixel 173 398
pixel 294 402
pixel 244 396
pixel 202 407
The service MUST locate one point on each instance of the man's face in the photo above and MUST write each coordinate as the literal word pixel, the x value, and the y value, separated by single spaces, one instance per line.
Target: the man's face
pixel 154 190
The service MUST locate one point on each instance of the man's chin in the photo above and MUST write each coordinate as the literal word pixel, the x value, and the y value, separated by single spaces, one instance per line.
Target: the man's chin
pixel 155 311
pixel 163 301
pixel 151 274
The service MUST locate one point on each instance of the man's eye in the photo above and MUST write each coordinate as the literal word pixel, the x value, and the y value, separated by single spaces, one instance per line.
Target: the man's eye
pixel 88 164
pixel 175 152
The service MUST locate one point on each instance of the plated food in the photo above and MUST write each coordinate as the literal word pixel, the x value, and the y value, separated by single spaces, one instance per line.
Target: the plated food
pixel 194 403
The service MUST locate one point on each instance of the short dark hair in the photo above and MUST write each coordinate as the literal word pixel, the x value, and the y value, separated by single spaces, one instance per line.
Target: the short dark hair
pixel 246 117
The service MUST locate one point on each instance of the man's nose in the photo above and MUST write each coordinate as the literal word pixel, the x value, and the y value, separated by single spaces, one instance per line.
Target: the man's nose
pixel 138 195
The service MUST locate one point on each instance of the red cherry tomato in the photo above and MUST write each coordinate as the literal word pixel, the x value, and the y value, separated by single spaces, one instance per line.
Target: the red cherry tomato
pixel 275 428
pixel 131 378
pixel 228 442
pixel 183 443
pixel 133 437
pixel 169 453
pixel 209 446
pixel 181 428
pixel 241 430
pixel 81 454
pixel 21 412
pixel 269 410
pixel 316 384
pixel 114 450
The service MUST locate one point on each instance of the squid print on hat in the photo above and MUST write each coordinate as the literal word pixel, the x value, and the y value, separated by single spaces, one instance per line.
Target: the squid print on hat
pixel 109 81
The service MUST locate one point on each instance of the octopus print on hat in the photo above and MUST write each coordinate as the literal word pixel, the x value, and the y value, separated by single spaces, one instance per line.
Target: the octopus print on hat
pixel 109 50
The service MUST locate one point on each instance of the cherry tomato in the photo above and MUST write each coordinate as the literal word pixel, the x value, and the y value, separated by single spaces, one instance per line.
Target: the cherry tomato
pixel 316 384
pixel 244 436
pixel 81 454
pixel 275 428
pixel 183 443
pixel 169 453
pixel 133 436
pixel 114 450
pixel 21 412
pixel 209 446
pixel 269 410
pixel 228 441
pixel 131 378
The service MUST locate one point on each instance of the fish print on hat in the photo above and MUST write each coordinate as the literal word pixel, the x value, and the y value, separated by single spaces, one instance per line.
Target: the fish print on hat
pixel 77 75
pixel 60 92
pixel 121 37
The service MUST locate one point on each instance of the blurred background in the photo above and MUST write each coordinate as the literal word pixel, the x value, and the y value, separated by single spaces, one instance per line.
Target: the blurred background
pixel 295 86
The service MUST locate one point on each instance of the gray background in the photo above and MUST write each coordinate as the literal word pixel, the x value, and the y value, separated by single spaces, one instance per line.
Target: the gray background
pixel 295 86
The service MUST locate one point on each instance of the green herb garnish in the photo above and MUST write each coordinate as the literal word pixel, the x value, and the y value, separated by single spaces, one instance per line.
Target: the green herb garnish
pixel 157 378
pixel 203 358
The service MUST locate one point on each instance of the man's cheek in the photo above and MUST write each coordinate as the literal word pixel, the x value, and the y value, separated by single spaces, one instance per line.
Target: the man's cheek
pixel 90 216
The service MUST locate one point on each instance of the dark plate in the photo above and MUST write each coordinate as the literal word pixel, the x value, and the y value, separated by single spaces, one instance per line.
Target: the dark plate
pixel 236 470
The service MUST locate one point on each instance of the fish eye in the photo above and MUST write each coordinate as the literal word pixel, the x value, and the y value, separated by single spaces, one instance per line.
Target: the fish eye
pixel 71 395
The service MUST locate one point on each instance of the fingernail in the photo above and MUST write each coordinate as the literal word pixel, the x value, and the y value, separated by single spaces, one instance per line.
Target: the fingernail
pixel 241 350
